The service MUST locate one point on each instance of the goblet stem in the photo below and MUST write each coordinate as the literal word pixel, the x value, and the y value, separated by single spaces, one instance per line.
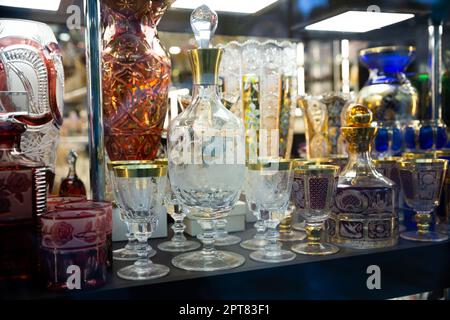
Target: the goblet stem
pixel 272 235
pixel 178 228
pixel 313 233
pixel 286 225
pixel 142 235
pixel 131 244
pixel 221 225
pixel 207 236
pixel 260 227
pixel 423 220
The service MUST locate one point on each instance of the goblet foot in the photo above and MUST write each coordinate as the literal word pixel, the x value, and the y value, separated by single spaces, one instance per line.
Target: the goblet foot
pixel 178 246
pixel 426 237
pixel 272 256
pixel 125 254
pixel 143 272
pixel 319 249
pixel 291 236
pixel 216 260
pixel 299 226
pixel 228 240
pixel 254 244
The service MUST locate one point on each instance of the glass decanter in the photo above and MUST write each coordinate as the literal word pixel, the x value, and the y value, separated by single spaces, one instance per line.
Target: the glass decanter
pixel 364 214
pixel 206 152
pixel 72 186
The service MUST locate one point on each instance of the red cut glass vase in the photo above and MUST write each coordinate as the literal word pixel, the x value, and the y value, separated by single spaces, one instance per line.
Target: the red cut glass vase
pixel 135 78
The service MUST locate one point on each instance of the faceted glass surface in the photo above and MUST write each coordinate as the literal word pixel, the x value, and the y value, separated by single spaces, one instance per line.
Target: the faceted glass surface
pixel 136 75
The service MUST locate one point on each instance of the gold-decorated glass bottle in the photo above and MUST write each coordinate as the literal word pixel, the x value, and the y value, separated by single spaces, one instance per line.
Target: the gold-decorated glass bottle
pixel 364 213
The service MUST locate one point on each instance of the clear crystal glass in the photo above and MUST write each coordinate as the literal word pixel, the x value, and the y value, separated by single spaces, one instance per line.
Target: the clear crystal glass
pixel 271 184
pixel 422 181
pixel 129 251
pixel 313 190
pixel 140 190
pixel 203 184
pixel 178 243
pixel 258 242
pixel 206 152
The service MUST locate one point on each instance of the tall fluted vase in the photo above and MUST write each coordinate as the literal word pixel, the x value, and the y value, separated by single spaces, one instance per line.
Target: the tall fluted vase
pixel 135 77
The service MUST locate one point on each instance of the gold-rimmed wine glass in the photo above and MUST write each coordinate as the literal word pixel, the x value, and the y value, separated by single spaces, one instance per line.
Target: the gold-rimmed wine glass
pixel 129 251
pixel 314 187
pixel 140 192
pixel 269 185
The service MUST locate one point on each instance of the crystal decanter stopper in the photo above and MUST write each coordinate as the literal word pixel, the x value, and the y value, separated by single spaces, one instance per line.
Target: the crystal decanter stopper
pixel 364 214
pixel 204 23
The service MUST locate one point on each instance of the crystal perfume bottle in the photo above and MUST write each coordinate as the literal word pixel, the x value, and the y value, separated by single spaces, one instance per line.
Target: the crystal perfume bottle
pixel 206 152
pixel 364 214
pixel 72 186
pixel 22 198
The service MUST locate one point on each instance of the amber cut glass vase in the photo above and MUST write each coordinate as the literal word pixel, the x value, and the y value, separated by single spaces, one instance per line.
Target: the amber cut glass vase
pixel 135 77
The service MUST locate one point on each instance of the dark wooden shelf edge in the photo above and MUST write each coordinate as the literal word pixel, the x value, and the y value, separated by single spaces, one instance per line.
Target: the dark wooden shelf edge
pixel 403 272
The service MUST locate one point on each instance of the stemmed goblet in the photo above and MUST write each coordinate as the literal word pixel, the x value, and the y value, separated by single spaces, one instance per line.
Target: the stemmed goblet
pixel 259 241
pixel 129 252
pixel 422 181
pixel 178 243
pixel 269 184
pixel 140 191
pixel 314 188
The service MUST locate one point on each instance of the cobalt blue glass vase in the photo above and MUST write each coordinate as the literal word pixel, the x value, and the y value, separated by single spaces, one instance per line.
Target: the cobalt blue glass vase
pixel 389 95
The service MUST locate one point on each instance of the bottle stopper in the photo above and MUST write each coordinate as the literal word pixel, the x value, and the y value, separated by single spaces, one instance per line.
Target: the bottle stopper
pixel 71 158
pixel 359 131
pixel 204 60
pixel 204 23
pixel 358 115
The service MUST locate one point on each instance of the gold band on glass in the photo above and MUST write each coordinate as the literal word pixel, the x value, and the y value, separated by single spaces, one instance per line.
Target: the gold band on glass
pixel 161 161
pixel 386 49
pixel 442 153
pixel 140 171
pixel 271 165
pixel 418 155
pixel 317 169
pixel 426 162
pixel 380 162
pixel 113 164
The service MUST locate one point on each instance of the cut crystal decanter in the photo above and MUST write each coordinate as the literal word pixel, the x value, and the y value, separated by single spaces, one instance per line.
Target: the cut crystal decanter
pixel 206 151
pixel 364 213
